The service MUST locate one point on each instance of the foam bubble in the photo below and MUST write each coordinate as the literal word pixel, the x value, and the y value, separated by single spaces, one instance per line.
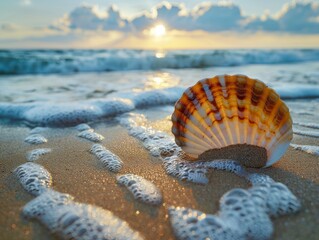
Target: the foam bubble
pixel 314 150
pixel 142 189
pixel 62 113
pixel 158 143
pixel 192 225
pixel 111 161
pixel 35 139
pixel 72 220
pixel 91 135
pixel 158 97
pixel 243 214
pixel 161 145
pixel 238 207
pixel 307 133
pixel 258 178
pixel 275 198
pixel 33 177
pixel 36 153
pixel 82 127
pixel 184 171
pixel 40 205
pixel 223 164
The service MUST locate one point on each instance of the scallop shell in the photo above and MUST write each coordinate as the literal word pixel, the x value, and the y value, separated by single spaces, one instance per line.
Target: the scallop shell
pixel 229 110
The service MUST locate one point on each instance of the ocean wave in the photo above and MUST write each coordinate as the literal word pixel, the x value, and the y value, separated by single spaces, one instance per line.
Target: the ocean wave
pixel 73 113
pixel 17 62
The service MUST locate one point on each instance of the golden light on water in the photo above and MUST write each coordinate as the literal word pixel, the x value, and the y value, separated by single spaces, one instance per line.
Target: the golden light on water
pixel 161 80
pixel 158 30
pixel 160 54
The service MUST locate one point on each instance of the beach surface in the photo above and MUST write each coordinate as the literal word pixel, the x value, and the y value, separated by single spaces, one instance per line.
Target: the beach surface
pixel 57 90
pixel 77 172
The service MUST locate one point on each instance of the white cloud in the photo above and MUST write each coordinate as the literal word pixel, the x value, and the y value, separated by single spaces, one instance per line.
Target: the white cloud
pixel 8 27
pixel 92 18
pixel 217 18
pixel 296 17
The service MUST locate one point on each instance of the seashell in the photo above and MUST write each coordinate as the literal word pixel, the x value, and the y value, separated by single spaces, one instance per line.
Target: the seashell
pixel 236 114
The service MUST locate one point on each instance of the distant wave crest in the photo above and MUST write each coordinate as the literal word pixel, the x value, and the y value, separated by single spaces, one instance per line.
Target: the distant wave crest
pixel 16 62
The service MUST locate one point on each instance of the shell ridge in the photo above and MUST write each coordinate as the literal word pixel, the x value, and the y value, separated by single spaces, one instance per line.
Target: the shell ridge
pixel 232 109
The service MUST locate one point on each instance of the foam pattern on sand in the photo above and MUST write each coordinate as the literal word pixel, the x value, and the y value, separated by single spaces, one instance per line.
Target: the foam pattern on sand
pixel 33 177
pixel 82 127
pixel 314 150
pixel 163 146
pixel 184 171
pixel 71 220
pixel 158 143
pixel 243 214
pixel 142 189
pixel 35 139
pixel 192 224
pixel 91 135
pixel 111 161
pixel 36 153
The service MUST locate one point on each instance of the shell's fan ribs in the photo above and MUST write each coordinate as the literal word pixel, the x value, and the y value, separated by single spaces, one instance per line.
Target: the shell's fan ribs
pixel 232 111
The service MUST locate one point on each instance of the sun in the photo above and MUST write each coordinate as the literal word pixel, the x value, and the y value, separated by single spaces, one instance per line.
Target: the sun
pixel 158 31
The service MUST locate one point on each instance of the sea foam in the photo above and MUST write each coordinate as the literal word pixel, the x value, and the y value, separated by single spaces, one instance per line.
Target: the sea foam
pixel 74 61
pixel 142 189
pixel 71 114
pixel 243 214
pixel 36 153
pixel 82 127
pixel 33 177
pixel 111 161
pixel 314 150
pixel 91 135
pixel 72 220
pixel 35 139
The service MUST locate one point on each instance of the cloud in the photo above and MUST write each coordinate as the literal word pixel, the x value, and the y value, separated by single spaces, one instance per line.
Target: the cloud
pixel 214 18
pixel 8 27
pixel 92 18
pixel 299 18
pixel 207 17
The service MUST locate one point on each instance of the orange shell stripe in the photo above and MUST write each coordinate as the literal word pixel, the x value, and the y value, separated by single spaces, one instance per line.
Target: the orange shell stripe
pixel 225 110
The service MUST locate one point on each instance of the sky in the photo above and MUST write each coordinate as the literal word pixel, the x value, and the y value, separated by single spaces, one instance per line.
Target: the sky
pixel 182 24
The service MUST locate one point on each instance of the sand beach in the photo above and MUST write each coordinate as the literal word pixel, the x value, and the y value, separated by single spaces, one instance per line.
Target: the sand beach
pixel 77 172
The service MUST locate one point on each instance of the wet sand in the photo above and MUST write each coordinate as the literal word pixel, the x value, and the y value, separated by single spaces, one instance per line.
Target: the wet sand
pixel 79 173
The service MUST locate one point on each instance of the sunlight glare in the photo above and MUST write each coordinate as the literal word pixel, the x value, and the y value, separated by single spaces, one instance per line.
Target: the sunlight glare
pixel 158 31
